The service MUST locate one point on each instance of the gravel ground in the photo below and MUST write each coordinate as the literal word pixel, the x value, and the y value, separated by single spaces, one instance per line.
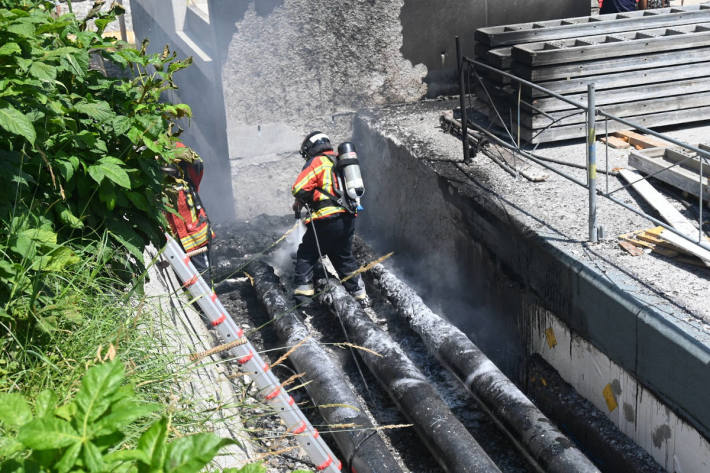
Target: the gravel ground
pixel 557 208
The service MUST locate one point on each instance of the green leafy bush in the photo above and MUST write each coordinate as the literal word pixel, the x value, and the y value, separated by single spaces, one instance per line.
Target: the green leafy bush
pixel 80 159
pixel 80 153
pixel 87 433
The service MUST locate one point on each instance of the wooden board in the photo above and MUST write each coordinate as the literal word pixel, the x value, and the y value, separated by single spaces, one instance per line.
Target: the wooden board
pixel 648 121
pixel 680 178
pixel 686 159
pixel 627 94
pixel 692 248
pixel 669 213
pixel 608 65
pixel 644 141
pixel 587 48
pixel 615 142
pixel 626 109
pixel 601 82
pixel 590 25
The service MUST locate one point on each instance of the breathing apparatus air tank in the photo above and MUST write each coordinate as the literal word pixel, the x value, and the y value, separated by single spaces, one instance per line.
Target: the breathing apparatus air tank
pixel 350 172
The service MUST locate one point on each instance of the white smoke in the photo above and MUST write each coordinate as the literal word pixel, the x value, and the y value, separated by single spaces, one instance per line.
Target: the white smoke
pixel 282 258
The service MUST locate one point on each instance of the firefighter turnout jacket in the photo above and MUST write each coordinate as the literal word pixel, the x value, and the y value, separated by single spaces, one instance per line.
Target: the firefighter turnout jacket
pixel 190 224
pixel 317 186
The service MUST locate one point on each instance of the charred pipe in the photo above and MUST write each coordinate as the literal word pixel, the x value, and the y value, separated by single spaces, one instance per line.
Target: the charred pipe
pixel 544 444
pixel 613 450
pixel 362 448
pixel 447 439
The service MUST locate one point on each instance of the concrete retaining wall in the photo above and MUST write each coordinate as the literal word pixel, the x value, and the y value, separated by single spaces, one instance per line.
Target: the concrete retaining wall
pixel 491 275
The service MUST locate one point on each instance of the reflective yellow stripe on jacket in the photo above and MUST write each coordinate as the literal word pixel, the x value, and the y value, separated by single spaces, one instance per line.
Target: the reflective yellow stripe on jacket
pixel 195 240
pixel 318 173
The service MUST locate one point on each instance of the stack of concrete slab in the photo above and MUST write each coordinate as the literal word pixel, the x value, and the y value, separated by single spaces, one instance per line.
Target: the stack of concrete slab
pixel 651 67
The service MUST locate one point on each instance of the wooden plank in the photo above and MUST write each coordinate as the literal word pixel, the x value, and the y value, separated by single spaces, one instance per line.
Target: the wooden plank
pixel 633 250
pixel 625 109
pixel 615 142
pixel 682 179
pixel 627 94
pixel 495 36
pixel 693 248
pixel 686 159
pixel 644 141
pixel 622 79
pixel 607 65
pixel 669 213
pixel 648 121
pixel 587 48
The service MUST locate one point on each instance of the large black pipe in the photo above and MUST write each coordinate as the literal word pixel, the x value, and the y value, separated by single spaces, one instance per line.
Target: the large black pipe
pixel 362 448
pixel 447 439
pixel 551 450
pixel 613 450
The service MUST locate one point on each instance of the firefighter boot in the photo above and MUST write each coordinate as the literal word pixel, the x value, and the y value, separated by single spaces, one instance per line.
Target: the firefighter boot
pixel 303 294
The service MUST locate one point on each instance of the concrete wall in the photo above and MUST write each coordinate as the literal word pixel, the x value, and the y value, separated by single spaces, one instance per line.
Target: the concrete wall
pixel 505 286
pixel 269 71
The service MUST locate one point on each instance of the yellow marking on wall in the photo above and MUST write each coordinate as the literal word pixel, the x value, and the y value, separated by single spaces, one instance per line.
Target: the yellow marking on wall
pixel 610 398
pixel 550 336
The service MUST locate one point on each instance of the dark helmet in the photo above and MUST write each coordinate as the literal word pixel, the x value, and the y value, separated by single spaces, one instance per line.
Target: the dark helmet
pixel 316 142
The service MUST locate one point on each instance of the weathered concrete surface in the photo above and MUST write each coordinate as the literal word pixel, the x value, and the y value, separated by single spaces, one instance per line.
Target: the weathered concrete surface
pixel 478 239
pixel 310 58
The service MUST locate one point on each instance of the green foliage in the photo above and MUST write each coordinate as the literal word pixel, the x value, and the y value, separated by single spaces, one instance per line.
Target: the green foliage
pixel 83 435
pixel 80 153
pixel 80 159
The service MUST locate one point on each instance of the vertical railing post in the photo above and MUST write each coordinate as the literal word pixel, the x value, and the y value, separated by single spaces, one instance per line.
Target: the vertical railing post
pixel 462 99
pixel 592 162
pixel 700 202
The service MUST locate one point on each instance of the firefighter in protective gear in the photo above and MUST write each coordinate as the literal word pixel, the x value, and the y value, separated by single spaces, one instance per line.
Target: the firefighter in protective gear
pixel 316 188
pixel 188 220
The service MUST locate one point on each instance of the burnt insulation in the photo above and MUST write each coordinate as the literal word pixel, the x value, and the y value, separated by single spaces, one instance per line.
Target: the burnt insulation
pixel 447 439
pixel 498 395
pixel 362 448
pixel 612 450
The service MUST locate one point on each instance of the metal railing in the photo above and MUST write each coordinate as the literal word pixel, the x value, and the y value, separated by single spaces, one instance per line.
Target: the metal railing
pixel 468 67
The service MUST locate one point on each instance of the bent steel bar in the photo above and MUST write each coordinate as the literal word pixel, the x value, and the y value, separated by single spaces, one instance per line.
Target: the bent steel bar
pixel 363 449
pixel 270 388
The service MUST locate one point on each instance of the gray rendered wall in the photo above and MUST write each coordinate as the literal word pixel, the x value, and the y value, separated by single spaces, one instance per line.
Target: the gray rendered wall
pixel 429 28
pixel 270 71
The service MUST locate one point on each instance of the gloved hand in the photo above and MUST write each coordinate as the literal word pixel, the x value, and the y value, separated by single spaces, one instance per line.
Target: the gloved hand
pixel 296 208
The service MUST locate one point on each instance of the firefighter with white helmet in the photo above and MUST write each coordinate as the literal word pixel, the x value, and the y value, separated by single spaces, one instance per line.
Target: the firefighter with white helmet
pixel 330 221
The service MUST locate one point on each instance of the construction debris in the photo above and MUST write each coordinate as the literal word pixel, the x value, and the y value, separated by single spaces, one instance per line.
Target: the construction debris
pixel 674 167
pixel 508 160
pixel 668 244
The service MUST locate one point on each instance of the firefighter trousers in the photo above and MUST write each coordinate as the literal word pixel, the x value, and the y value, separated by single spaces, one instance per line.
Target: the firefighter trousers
pixel 335 235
